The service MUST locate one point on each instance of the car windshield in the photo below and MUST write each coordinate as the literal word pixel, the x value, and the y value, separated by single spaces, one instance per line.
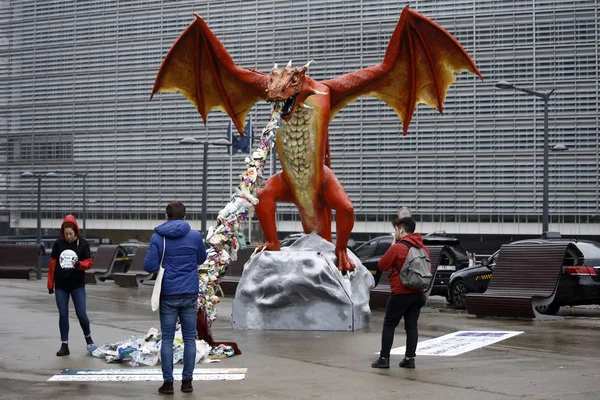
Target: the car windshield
pixel 366 250
pixel 459 249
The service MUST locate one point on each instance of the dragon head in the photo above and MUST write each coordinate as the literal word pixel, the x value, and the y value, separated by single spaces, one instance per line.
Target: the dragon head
pixel 288 88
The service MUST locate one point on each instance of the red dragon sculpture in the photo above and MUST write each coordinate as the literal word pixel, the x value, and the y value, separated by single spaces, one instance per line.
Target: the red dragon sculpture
pixel 419 66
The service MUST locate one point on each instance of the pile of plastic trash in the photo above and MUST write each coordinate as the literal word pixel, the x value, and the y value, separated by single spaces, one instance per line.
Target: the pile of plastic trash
pixel 224 240
pixel 145 350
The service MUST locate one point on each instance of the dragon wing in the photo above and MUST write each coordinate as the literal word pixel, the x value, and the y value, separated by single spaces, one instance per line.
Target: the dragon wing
pixel 198 66
pixel 418 67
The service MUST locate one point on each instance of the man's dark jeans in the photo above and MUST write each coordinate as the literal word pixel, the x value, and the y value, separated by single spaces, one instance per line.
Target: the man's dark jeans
pixel 62 302
pixel 171 308
pixel 398 306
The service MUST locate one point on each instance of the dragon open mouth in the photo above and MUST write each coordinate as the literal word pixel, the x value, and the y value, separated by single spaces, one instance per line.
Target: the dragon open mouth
pixel 288 106
pixel 284 107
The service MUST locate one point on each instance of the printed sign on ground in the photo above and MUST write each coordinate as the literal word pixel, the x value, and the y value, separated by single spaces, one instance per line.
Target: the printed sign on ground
pixel 458 342
pixel 147 374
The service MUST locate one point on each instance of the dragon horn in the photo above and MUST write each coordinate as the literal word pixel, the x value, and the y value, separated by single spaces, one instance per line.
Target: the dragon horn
pixel 307 64
pixel 274 67
pixel 289 65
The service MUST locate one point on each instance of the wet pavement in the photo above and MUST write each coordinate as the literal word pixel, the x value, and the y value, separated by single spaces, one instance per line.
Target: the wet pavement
pixel 550 360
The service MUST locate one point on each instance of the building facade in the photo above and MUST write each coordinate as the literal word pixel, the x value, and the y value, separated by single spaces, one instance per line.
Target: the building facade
pixel 75 80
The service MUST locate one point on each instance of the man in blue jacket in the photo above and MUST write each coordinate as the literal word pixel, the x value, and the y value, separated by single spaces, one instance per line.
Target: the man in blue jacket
pixel 183 252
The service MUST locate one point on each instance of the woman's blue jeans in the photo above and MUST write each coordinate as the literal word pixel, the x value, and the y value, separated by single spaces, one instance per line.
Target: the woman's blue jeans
pixel 62 302
pixel 183 308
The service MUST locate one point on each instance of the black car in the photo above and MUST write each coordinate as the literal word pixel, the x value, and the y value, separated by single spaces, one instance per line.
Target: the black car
pixel 579 282
pixel 370 252
pixel 291 239
pixel 131 246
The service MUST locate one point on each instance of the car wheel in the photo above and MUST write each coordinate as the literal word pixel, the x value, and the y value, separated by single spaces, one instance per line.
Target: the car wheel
pixel 459 291
pixel 548 309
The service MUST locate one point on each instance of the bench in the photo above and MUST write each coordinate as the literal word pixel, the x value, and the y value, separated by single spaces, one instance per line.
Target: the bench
pixel 526 276
pixel 104 263
pixel 136 273
pixel 381 292
pixel 18 260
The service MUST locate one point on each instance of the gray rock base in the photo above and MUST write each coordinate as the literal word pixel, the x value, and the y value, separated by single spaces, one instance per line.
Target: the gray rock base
pixel 300 288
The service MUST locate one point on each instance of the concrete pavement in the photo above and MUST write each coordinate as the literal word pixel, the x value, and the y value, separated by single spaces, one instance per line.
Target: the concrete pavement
pixel 550 360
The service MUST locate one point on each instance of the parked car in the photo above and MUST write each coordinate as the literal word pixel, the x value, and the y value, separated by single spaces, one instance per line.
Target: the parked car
pixel 290 239
pixel 370 252
pixel 130 247
pixel 579 282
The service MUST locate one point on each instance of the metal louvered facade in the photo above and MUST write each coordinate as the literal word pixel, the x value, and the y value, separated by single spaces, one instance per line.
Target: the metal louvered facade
pixel 75 79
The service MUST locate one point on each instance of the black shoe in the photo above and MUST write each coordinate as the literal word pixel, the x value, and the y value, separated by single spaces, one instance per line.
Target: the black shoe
pixel 381 363
pixel 64 350
pixel 166 388
pixel 88 340
pixel 186 387
pixel 408 362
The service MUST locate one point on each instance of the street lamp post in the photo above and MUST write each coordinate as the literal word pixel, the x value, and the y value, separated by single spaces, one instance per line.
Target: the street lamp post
pixel 544 96
pixel 38 269
pixel 84 176
pixel 219 142
pixel 84 212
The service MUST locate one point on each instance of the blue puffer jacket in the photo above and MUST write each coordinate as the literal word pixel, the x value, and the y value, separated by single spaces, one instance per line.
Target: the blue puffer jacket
pixel 184 252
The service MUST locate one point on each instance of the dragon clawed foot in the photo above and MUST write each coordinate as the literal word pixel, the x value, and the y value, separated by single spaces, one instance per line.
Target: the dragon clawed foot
pixel 273 246
pixel 343 261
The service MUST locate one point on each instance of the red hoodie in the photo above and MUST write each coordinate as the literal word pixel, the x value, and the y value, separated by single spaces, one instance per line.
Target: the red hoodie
pixel 67 276
pixel 394 258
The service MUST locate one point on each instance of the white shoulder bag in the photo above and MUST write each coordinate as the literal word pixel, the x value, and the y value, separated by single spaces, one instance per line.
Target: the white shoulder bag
pixel 158 281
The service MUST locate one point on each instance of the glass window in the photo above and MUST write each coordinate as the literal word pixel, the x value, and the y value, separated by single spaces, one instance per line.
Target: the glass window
pixel 366 250
pixel 591 252
pixel 493 259
pixel 383 245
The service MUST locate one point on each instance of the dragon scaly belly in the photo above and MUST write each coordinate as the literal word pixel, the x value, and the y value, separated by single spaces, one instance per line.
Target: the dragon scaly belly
pixel 297 150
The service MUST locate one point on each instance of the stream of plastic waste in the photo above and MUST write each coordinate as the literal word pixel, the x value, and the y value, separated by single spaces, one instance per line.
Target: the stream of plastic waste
pixel 224 238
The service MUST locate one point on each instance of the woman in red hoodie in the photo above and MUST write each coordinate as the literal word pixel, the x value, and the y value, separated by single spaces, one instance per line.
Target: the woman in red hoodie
pixel 403 302
pixel 69 259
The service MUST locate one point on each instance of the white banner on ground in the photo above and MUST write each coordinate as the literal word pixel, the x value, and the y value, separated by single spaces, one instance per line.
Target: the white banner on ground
pixel 458 342
pixel 146 374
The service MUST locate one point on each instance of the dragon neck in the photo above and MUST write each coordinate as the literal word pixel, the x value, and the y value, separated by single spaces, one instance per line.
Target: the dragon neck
pixel 297 150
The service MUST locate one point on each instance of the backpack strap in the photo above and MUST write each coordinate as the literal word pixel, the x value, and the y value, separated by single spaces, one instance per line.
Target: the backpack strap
pixel 409 244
